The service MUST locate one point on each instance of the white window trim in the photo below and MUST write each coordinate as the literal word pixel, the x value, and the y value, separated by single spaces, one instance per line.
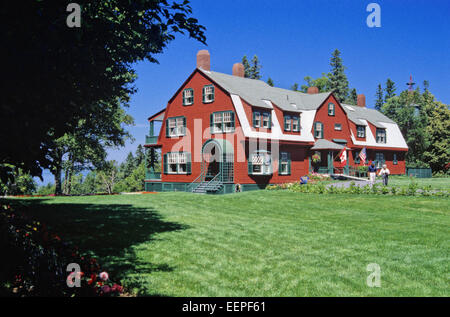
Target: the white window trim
pixel 185 97
pixel 208 91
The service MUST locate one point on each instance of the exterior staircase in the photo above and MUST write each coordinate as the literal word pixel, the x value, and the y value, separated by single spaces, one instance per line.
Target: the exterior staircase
pixel 211 186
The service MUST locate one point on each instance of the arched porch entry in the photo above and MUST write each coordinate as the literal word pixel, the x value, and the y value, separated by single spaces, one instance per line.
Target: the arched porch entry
pixel 218 160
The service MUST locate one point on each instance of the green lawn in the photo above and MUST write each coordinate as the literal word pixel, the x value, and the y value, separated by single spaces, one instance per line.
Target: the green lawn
pixel 262 243
pixel 435 183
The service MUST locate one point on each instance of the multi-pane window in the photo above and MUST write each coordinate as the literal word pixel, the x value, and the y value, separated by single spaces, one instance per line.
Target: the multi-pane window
pixel 176 126
pixel 284 167
pixel 361 131
pixel 260 163
pixel 295 124
pixel 292 123
pixel 218 122
pixel 256 119
pixel 222 122
pixel 381 135
pixel 338 127
pixel 266 120
pixel 208 93
pixel 379 159
pixel 188 96
pixel 287 123
pixel 261 120
pixel 318 130
pixel 331 109
pixel 177 163
pixel 228 122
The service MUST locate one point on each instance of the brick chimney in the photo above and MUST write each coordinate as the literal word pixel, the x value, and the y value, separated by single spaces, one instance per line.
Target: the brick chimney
pixel 361 100
pixel 313 90
pixel 203 60
pixel 238 70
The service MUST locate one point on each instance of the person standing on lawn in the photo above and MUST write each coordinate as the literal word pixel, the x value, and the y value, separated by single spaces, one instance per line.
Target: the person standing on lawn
pixel 372 173
pixel 384 173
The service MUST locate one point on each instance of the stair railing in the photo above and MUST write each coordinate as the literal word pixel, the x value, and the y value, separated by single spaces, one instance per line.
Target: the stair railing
pixel 195 183
pixel 213 179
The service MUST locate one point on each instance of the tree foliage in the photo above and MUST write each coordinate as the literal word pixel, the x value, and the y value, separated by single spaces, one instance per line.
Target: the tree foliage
pixel 58 75
pixel 390 89
pixel 338 79
pixel 322 83
pixel 252 69
pixel 379 98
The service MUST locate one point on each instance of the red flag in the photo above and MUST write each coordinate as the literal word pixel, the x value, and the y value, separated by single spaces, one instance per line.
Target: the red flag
pixel 343 156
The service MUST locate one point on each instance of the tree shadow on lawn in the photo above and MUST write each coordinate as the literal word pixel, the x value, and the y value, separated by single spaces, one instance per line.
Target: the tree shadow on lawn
pixel 105 231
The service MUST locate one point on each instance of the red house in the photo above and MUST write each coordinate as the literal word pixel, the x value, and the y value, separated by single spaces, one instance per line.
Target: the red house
pixel 220 130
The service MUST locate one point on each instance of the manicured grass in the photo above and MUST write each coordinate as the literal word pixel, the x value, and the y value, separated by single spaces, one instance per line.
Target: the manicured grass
pixel 262 243
pixel 435 183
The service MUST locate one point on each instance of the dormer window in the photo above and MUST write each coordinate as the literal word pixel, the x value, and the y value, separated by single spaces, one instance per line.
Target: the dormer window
pixel 331 109
pixel 292 123
pixel 381 135
pixel 188 96
pixel 208 93
pixel 318 130
pixel 256 119
pixel 295 124
pixel 361 131
pixel 287 123
pixel 266 120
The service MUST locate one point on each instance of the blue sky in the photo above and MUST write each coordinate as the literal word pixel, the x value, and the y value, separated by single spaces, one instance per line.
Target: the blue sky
pixel 294 39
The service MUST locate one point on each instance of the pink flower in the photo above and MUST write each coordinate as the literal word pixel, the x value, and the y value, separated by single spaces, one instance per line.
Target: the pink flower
pixel 106 289
pixel 104 276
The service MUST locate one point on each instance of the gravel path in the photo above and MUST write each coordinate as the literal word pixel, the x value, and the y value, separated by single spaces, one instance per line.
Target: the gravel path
pixel 346 184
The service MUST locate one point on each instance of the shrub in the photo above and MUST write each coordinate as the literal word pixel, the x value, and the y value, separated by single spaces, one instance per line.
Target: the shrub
pixel 37 261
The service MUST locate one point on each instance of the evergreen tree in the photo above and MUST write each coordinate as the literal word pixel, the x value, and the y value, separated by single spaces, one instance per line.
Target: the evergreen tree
pixel 294 87
pixel 338 79
pixel 251 69
pixel 426 85
pixel 270 82
pixel 353 97
pixel 140 155
pixel 390 89
pixel 247 68
pixel 379 96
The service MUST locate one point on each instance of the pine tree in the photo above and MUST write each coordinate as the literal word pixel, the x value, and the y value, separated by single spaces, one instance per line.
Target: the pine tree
pixel 379 100
pixel 294 87
pixel 353 97
pixel 247 68
pixel 426 85
pixel 270 82
pixel 390 89
pixel 338 79
pixel 255 68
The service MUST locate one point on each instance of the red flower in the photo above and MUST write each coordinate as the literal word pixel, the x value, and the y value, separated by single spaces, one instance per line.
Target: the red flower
pixel 93 278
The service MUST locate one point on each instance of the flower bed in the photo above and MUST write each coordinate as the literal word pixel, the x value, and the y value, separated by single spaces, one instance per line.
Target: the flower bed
pixel 35 261
pixel 376 189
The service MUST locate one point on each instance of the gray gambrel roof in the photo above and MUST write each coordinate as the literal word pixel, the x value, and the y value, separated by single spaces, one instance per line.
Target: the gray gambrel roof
pixel 256 92
pixel 355 113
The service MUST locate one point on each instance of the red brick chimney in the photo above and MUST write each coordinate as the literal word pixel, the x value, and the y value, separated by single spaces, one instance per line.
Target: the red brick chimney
pixel 361 100
pixel 238 70
pixel 203 60
pixel 313 90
